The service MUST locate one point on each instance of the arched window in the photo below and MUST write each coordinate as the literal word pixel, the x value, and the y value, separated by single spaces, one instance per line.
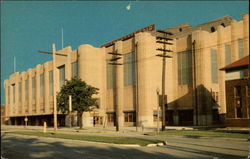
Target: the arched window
pixel 180 29
pixel 212 29
pixel 222 24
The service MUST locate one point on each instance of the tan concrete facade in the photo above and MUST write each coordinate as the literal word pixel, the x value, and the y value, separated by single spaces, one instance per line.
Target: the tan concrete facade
pixel 184 101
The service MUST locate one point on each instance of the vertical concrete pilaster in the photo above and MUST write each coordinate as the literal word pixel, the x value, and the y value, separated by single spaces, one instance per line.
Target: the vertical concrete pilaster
pixel 245 18
pixel 234 42
pixel 147 83
pixel 11 100
pixel 68 67
pixel 23 76
pixel 19 95
pixel 91 63
pixel 221 75
pixel 46 88
pixel 30 91
pixel 7 106
pixel 37 97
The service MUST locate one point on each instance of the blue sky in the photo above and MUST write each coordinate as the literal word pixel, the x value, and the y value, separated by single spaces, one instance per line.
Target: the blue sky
pixel 29 26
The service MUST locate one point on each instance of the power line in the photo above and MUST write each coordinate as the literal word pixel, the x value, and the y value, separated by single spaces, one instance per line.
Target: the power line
pixel 200 48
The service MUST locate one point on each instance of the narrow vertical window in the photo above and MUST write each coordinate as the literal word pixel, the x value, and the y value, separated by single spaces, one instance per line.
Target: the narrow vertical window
pixel 214 66
pixel 110 75
pixel 61 75
pixel 9 94
pixel 129 117
pixel 238 101
pixel 20 91
pixel 227 54
pixel 240 48
pixel 14 93
pixel 111 117
pixel 26 90
pixel 184 60
pixel 42 85
pixel 51 87
pixel 74 67
pixel 179 68
pixel 129 69
pixel 33 87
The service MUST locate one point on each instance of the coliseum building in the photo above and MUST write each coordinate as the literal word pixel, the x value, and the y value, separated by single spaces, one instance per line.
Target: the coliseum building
pixel 195 87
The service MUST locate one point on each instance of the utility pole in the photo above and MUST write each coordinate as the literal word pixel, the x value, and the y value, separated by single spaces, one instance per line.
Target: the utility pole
pixel 113 61
pixel 54 81
pixel 165 41
pixel 136 87
pixel 158 92
pixel 194 84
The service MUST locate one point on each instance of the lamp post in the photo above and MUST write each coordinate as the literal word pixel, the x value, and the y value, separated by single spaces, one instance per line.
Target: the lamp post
pixel 70 109
pixel 26 120
pixel 157 91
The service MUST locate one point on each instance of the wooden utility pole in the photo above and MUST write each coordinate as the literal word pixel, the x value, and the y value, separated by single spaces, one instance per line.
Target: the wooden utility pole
pixel 136 87
pixel 196 111
pixel 54 81
pixel 54 84
pixel 165 41
pixel 113 61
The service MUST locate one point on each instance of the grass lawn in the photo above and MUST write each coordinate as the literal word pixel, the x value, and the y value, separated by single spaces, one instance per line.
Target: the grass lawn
pixel 207 133
pixel 104 139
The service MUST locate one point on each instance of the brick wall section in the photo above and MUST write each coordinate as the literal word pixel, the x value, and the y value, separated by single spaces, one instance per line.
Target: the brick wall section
pixel 238 122
pixel 232 120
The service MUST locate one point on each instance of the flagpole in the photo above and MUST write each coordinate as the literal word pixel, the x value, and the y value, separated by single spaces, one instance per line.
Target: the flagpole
pixel 62 38
pixel 14 63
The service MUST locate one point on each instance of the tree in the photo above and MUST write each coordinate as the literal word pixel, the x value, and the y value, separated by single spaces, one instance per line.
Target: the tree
pixel 82 99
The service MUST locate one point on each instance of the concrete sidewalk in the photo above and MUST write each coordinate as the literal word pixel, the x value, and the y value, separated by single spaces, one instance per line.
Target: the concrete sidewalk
pixel 110 131
pixel 133 129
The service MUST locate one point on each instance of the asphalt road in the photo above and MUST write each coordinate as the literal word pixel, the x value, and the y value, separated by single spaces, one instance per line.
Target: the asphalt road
pixel 25 147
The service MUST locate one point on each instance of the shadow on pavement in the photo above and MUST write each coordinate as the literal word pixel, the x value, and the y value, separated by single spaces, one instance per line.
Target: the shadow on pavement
pixel 24 147
pixel 15 147
pixel 214 147
pixel 204 152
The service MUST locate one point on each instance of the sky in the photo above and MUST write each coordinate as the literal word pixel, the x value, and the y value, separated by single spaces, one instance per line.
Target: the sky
pixel 29 26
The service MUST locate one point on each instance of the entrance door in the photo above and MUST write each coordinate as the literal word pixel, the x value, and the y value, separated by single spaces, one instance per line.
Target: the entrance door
pixel 170 117
pixel 98 120
pixel 185 117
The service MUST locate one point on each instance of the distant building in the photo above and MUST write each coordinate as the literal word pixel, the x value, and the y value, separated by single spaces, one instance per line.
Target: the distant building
pixel 237 93
pixel 195 87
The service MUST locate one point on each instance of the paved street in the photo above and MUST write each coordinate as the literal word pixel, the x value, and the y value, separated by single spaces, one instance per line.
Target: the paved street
pixel 25 147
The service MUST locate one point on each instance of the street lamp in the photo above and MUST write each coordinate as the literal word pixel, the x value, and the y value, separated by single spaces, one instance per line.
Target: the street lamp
pixel 26 121
pixel 158 91
pixel 70 109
